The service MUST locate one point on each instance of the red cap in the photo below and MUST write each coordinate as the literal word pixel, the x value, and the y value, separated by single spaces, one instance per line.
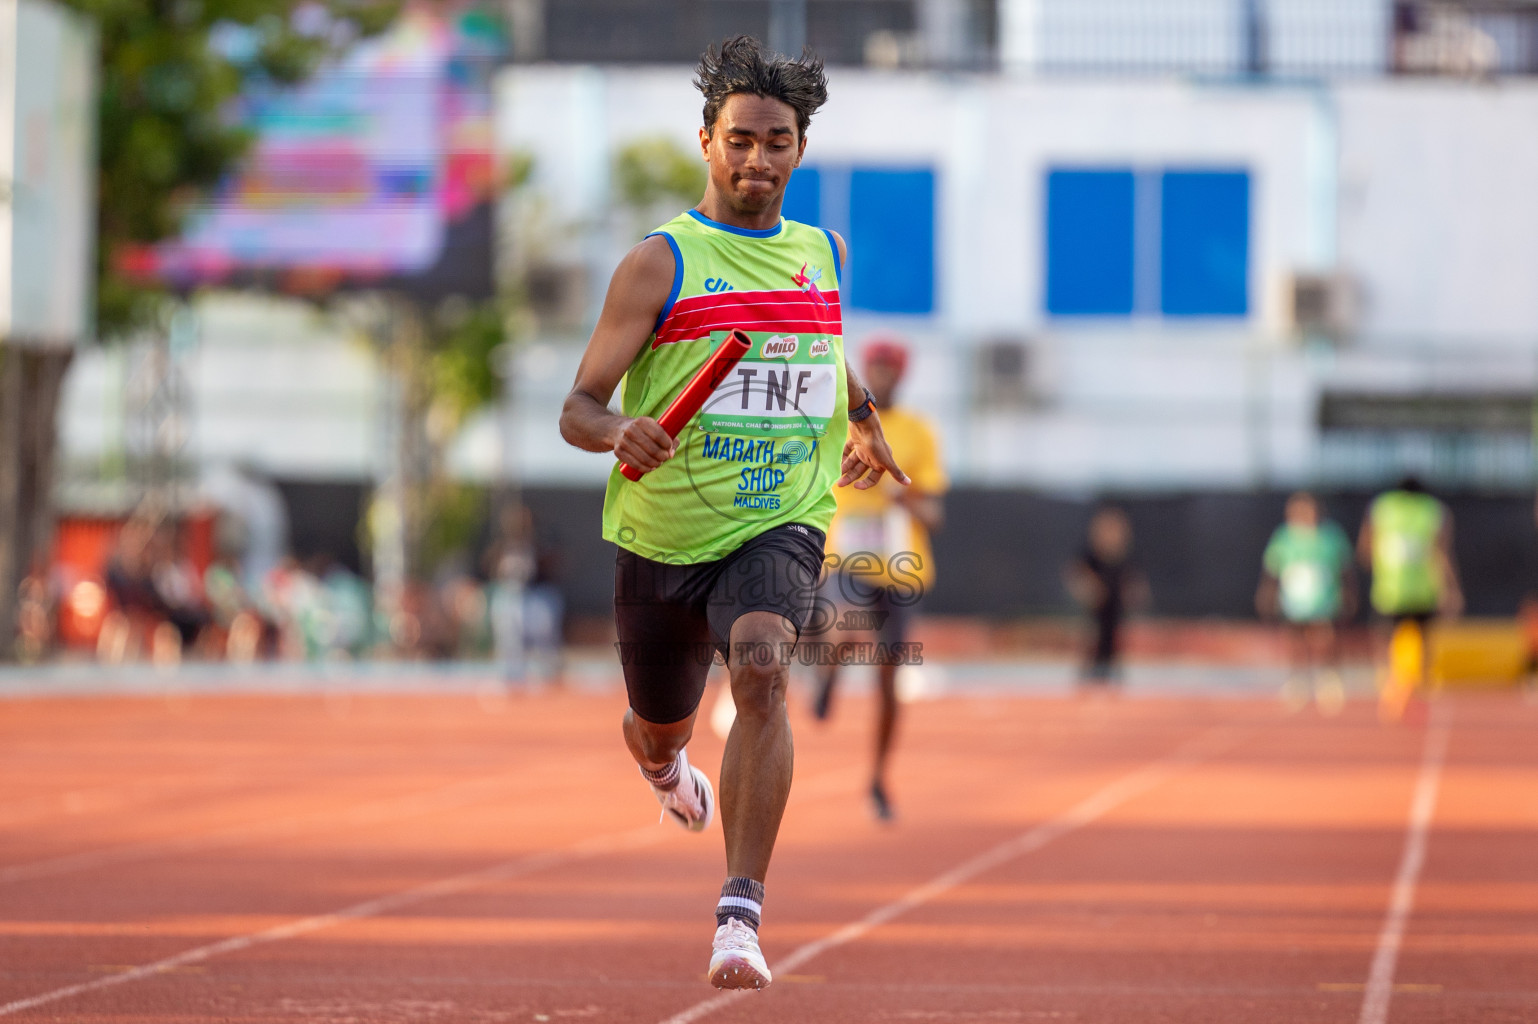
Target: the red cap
pixel 886 350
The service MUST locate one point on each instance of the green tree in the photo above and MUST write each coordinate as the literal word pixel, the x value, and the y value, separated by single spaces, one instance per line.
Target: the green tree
pixel 654 178
pixel 170 70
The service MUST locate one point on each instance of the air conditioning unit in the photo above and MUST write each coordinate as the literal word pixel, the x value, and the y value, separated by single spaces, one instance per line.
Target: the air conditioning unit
pixel 1324 305
pixel 1008 374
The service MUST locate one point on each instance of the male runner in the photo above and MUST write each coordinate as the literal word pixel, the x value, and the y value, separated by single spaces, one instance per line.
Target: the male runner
pixel 721 542
pixel 1308 583
pixel 880 540
pixel 1406 540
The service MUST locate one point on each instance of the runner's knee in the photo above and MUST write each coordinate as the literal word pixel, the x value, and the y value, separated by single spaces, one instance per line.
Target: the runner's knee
pixel 659 743
pixel 758 690
pixel 759 643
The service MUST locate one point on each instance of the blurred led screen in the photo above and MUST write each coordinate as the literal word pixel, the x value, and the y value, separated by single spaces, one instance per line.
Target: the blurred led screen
pixel 361 172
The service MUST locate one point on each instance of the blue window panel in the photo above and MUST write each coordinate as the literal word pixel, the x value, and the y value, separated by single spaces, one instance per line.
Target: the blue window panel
pixel 1090 254
pixel 892 240
pixel 803 197
pixel 1204 252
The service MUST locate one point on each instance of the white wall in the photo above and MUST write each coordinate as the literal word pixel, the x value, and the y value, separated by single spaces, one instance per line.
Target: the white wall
pixel 270 383
pixel 1439 208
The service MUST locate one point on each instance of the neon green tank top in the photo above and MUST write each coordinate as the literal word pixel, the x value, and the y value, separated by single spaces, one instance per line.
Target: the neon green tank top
pixel 1406 577
pixel 767 446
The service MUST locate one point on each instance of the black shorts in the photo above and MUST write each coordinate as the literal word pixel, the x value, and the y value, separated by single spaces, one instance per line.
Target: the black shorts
pixel 673 619
pixel 1421 618
pixel 885 611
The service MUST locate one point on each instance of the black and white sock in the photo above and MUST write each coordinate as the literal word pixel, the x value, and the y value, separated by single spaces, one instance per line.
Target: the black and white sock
pixel 742 898
pixel 663 778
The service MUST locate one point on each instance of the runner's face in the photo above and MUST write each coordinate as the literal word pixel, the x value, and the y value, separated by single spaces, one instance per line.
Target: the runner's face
pixel 1302 512
pixel 751 151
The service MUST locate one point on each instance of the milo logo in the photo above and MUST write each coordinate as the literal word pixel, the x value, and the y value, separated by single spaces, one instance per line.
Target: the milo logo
pixel 819 347
pixel 781 348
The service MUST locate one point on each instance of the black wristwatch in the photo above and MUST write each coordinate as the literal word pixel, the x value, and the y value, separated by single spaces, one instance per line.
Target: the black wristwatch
pixel 864 409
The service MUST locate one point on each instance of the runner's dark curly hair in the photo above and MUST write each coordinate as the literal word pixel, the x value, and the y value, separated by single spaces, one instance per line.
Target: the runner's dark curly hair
pixel 741 64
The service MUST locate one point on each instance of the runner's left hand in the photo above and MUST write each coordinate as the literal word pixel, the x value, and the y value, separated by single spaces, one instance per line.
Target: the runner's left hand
pixel 867 456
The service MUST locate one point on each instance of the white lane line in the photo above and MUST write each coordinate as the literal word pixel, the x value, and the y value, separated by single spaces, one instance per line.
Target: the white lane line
pixel 527 864
pixel 378 811
pixel 1083 813
pixel 824 785
pixel 1380 978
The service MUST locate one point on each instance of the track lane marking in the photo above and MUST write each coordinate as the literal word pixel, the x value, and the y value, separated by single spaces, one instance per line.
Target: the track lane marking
pixel 824 785
pixel 453 885
pixel 1380 977
pixel 1085 812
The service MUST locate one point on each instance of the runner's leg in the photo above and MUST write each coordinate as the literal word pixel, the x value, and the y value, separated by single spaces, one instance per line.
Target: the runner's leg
pixel 665 652
pixel 757 764
pixel 655 746
pixel 892 632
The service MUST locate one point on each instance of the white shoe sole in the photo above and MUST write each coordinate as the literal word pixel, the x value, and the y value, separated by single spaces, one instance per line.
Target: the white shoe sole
pixel 737 973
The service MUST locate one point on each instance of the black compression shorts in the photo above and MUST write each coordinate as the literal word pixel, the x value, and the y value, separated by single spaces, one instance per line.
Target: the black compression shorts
pixel 673 619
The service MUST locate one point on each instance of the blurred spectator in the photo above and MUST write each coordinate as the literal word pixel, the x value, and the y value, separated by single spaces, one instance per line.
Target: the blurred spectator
pixel 1107 584
pixel 1528 616
pixel 136 610
pixel 527 607
pixel 36 606
pixel 344 618
pixel 252 508
pixel 1307 582
pixel 1406 540
pixel 466 602
pixel 179 586
pixel 291 600
pixel 247 635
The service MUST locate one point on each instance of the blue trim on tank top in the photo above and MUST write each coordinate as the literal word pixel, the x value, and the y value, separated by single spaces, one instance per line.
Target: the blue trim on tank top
pixel 747 232
pixel 838 262
pixel 678 278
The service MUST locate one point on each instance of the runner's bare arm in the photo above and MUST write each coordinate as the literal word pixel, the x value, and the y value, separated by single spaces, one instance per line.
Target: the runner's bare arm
pixel 866 454
pixel 637 292
pixel 1266 595
pixel 1452 591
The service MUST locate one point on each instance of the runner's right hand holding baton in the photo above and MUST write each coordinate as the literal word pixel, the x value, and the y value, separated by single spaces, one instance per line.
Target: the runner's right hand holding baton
pixel 648 446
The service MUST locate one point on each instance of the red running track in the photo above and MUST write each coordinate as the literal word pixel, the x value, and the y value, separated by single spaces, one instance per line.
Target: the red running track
pixel 446 858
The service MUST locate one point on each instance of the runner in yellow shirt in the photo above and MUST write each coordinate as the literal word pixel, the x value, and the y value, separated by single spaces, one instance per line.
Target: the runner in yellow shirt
pixel 879 558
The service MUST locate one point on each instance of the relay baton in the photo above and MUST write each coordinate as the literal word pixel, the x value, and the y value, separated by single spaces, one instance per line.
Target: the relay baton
pixel 692 398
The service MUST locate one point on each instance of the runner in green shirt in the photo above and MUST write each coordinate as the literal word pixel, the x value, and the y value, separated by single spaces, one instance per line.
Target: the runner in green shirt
pixel 1406 541
pixel 721 541
pixel 1308 583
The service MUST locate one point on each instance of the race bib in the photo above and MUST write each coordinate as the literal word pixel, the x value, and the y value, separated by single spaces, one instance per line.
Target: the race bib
pixel 1398 549
pixel 777 395
pixel 1303 590
pixel 882 535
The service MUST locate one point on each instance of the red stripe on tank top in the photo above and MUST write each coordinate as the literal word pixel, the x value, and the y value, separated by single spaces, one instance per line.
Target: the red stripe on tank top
pixel 787 311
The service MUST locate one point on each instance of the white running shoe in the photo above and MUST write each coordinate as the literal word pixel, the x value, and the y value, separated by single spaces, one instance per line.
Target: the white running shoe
pixel 692 802
pixel 735 960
